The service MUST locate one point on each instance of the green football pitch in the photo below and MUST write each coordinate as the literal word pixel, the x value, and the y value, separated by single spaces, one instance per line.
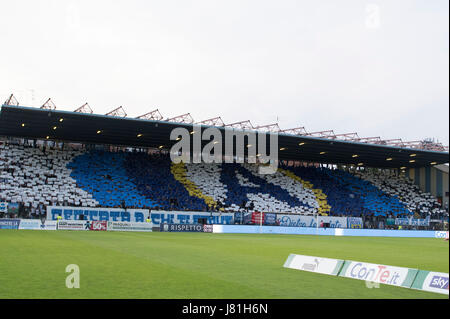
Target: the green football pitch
pixel 200 265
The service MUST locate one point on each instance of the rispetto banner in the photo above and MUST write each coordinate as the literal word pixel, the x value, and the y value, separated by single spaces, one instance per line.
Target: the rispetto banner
pixel 383 274
pixel 431 281
pixel 319 265
pixel 197 228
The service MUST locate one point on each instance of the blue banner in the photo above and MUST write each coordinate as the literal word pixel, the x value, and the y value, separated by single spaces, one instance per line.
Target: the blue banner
pixel 270 219
pixel 354 222
pixel 97 214
pixel 239 218
pixel 9 223
pixel 164 217
pixel 248 218
pixel 412 222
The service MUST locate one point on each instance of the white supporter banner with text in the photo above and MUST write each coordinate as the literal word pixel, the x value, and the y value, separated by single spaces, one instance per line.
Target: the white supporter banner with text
pixel 292 220
pixel 97 214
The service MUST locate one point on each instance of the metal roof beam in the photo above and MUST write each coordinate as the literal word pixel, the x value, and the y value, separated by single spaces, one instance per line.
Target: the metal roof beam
pixel 153 115
pixel 12 101
pixel 216 121
pixel 295 131
pixel 347 136
pixel 242 125
pixel 85 108
pixel 393 142
pixel 274 128
pixel 185 118
pixel 48 105
pixel 119 112
pixel 323 134
pixel 371 140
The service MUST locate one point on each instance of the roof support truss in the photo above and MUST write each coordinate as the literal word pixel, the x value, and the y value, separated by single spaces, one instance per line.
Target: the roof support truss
pixel 185 118
pixel 48 105
pixel 85 108
pixel 119 112
pixel 153 115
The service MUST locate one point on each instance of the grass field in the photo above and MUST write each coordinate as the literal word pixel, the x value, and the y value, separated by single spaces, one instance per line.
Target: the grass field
pixel 199 265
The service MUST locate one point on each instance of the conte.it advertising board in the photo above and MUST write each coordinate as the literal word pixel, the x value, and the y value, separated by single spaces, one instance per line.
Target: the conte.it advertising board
pixel 310 221
pixel 383 274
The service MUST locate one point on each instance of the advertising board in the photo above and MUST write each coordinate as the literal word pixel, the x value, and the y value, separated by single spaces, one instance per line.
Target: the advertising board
pixel 383 274
pixel 431 281
pixel 197 228
pixel 319 265
pixel 129 226
pixel 73 225
pixel 310 221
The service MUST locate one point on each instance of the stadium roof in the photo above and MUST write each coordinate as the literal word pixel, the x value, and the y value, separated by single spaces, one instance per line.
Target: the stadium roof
pixel 39 123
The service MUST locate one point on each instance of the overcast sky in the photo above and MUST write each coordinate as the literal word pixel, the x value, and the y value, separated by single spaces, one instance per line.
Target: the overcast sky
pixel 379 68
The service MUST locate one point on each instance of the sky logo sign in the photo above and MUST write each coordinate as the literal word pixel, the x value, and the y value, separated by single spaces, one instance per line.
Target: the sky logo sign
pixel 432 281
pixel 439 282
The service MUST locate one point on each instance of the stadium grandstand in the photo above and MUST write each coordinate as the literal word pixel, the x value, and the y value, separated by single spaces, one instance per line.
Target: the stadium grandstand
pixel 50 157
